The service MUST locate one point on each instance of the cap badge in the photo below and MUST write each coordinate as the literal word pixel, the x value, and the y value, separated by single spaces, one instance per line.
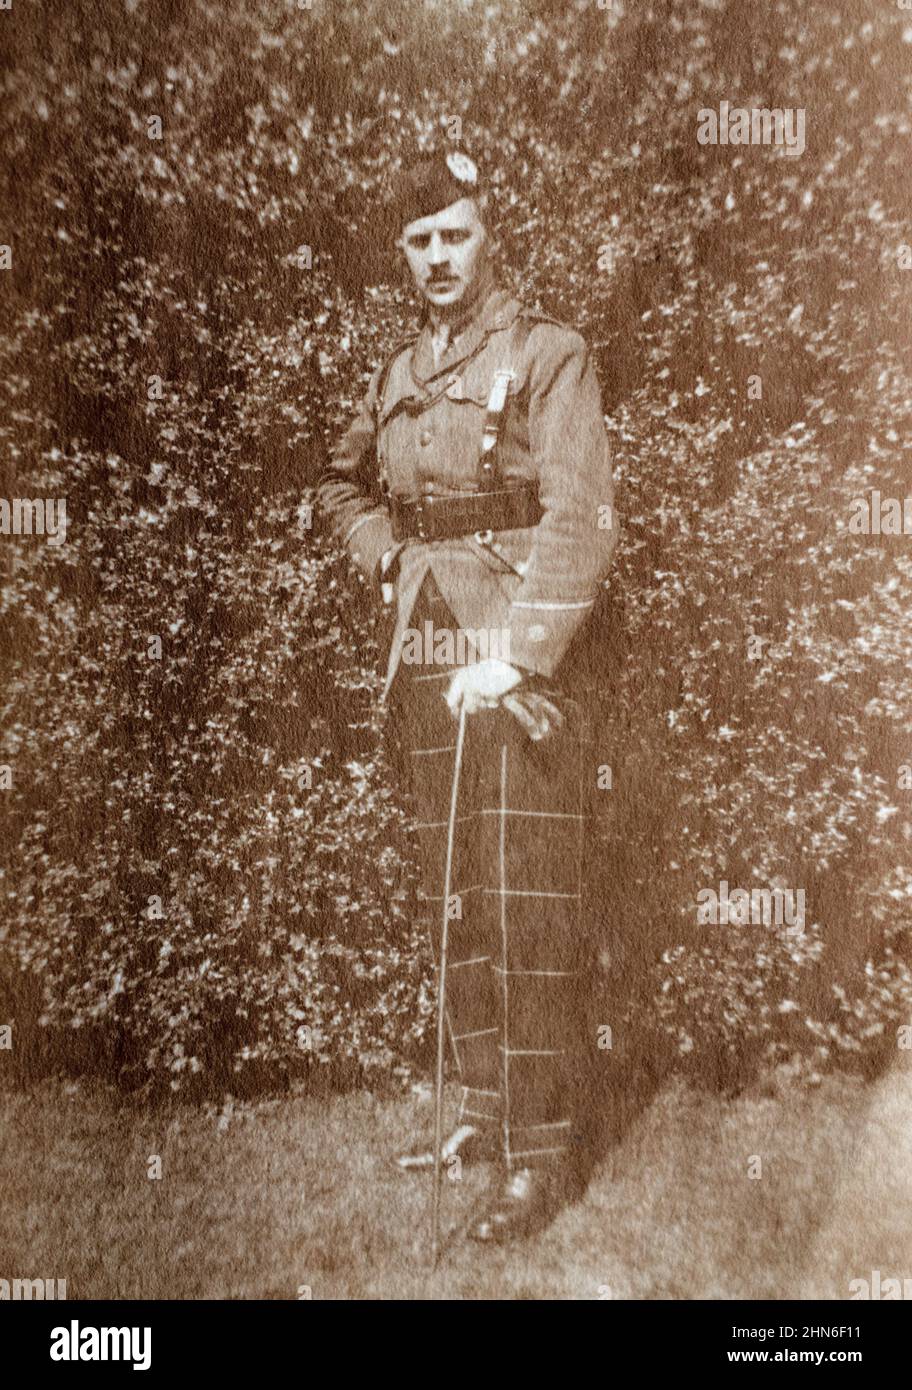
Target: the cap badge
pixel 461 167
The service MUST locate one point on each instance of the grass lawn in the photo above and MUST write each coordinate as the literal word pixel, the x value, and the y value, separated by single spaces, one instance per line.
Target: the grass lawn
pixel 291 1192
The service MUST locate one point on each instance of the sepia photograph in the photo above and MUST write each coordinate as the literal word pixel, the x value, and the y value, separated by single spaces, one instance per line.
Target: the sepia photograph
pixel 456 680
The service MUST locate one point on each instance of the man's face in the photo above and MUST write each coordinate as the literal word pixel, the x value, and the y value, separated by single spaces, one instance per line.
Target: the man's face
pixel 446 252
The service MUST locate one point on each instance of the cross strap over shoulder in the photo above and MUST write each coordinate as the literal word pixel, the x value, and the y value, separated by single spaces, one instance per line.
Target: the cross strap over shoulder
pixel 504 370
pixel 488 469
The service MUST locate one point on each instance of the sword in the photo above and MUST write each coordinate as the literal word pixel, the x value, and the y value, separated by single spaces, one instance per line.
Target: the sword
pixel 441 991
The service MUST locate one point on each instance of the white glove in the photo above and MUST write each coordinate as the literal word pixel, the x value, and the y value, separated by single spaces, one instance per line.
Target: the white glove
pixel 481 685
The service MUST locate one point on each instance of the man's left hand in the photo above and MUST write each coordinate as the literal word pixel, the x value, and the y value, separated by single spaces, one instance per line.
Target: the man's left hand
pixel 481 685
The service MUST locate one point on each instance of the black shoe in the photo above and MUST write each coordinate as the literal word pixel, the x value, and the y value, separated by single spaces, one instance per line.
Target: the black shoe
pixel 467 1143
pixel 528 1200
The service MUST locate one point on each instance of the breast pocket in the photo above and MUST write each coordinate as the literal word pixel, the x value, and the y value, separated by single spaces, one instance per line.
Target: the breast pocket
pixel 477 380
pixel 473 408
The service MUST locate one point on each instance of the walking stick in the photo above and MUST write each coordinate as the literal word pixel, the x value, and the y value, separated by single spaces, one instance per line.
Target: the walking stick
pixel 441 990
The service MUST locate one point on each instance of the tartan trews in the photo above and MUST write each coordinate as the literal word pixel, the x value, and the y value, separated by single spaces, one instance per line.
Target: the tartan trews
pixel 515 908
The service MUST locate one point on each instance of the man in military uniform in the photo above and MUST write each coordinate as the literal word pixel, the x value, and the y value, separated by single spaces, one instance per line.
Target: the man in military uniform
pixel 474 490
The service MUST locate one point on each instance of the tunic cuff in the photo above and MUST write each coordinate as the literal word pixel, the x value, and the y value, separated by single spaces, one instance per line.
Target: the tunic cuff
pixel 540 633
pixel 367 541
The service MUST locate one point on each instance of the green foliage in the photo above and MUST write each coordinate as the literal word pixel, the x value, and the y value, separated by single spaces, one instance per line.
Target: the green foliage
pixel 285 906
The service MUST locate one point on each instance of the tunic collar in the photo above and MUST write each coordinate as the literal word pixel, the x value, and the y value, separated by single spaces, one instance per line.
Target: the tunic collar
pixel 495 310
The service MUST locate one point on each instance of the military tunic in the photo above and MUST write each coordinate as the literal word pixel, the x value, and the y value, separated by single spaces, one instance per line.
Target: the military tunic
pixel 426 424
pixel 515 936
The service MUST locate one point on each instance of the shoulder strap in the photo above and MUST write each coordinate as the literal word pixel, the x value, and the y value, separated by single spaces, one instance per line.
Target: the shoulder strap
pixel 488 473
pixel 534 316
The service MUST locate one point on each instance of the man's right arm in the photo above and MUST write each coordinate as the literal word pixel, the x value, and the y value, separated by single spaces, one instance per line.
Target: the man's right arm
pixel 348 495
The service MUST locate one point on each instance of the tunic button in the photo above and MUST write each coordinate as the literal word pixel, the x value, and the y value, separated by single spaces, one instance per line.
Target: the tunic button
pixel 536 633
pixel 426 437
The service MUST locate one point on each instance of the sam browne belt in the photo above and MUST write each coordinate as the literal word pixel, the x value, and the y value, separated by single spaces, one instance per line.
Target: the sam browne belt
pixel 447 515
pixel 492 507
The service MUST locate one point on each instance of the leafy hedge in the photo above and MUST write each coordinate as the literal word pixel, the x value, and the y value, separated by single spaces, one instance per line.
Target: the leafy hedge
pixel 206 870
